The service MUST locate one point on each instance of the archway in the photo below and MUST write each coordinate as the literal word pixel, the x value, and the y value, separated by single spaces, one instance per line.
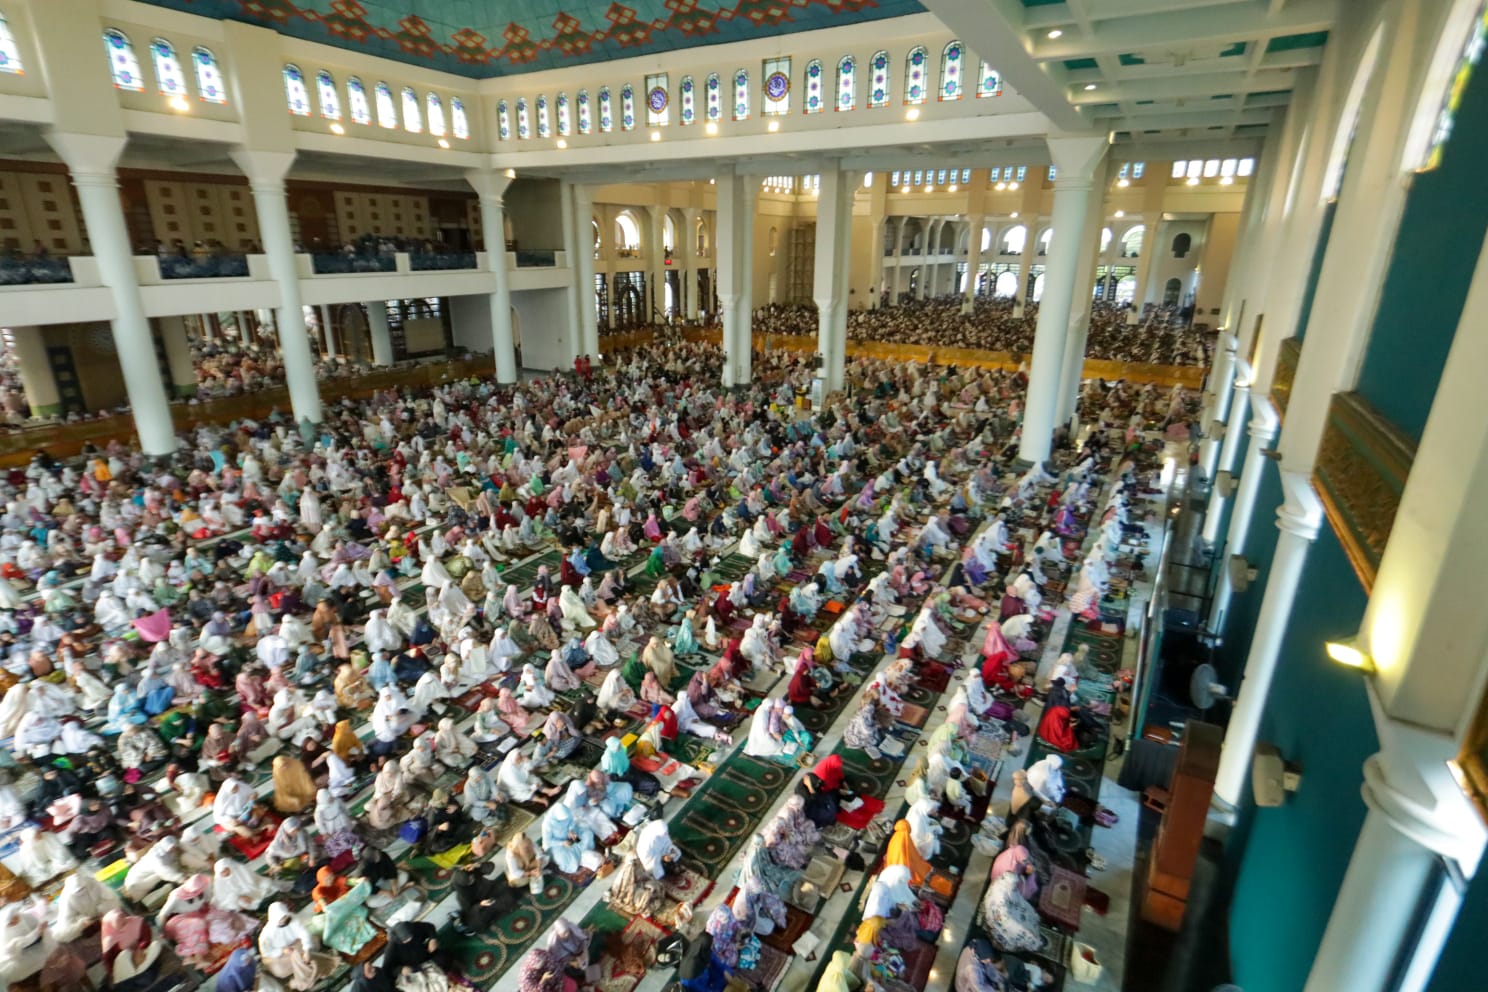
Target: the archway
pixel 627 235
pixel 1013 240
pixel 1044 240
pixel 630 308
pixel 1038 287
pixel 1126 289
pixel 1172 290
pixel 1006 285
pixel 1181 245
pixel 1131 242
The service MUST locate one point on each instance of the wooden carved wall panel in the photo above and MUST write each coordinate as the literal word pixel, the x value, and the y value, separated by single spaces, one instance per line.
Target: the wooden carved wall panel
pixel 1286 374
pixel 1362 466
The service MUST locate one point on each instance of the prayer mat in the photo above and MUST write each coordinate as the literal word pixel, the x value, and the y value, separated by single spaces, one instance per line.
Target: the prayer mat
pixel 452 857
pixel 686 886
pixel 934 678
pixel 768 969
pixel 918 961
pixel 1062 899
pixel 860 817
pixel 486 956
pixel 784 938
pixel 627 955
pixel 824 874
pixel 913 716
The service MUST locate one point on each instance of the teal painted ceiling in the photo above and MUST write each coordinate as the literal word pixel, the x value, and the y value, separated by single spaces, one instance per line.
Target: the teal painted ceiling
pixel 483 38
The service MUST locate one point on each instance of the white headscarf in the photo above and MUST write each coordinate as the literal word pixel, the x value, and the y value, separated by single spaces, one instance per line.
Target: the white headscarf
pixel 1046 779
pixel 516 780
pixel 281 933
pixel 890 890
pixel 236 887
pixel 653 843
pixel 234 802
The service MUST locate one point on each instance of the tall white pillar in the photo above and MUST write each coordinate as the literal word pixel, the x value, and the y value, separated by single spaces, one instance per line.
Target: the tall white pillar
pixel 177 355
pixel 932 232
pixel 973 262
pixel 1142 290
pixel 583 223
pixel 266 172
pixel 91 160
pixel 1217 402
pixel 1076 159
pixel 895 286
pixel 380 333
pixel 834 206
pixel 576 336
pixel 733 271
pixel 691 293
pixel 1262 431
pixel 1300 515
pixel 328 336
pixel 490 187
pixel 744 325
pixel 1079 323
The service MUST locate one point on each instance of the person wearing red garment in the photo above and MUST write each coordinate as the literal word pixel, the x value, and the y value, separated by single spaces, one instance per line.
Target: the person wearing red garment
pixel 1056 728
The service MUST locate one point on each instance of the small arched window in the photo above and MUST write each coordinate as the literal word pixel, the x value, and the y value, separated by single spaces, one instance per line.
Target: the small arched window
pixel 122 63
pixel 544 125
pixel 413 115
pixel 741 95
pixel 627 234
pixel 524 120
pixel 10 52
pixel 434 111
pixel 503 120
pixel 812 102
pixel 565 117
pixel 878 82
pixel 169 78
pixel 209 85
pixel 687 113
pixel 586 115
pixel 1006 284
pixel 847 83
pixel 459 123
pixel 990 82
pixel 1014 239
pixel 1182 244
pixel 356 101
pixel 627 108
pixel 387 110
pixel 914 75
pixel 951 60
pixel 715 99
pixel 1044 240
pixel 295 92
pixel 1131 242
pixel 1172 292
pixel 606 111
pixel 330 97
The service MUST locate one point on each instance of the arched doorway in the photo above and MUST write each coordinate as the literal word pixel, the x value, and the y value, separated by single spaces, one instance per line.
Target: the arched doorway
pixel 1126 289
pixel 630 307
pixel 1172 290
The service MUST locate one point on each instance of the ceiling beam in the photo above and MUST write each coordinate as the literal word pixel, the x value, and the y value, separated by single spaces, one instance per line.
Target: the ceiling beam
pixel 994 29
pixel 1178 87
pixel 1060 14
pixel 1186 122
pixel 1207 26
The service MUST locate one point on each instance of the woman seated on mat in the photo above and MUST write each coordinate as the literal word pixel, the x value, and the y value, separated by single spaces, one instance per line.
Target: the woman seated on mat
pixel 1067 728
pixel 825 791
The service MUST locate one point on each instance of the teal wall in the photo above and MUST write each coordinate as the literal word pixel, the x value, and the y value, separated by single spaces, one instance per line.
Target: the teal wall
pixel 1260 545
pixel 1436 250
pixel 1294 856
pixel 1460 967
pixel 1309 291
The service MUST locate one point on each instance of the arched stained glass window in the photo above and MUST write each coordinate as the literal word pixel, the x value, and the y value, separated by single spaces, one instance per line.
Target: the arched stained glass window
pixel 741 95
pixel 387 110
pixel 169 78
pixel 878 81
pixel 990 83
pixel 565 117
pixel 715 99
pixel 10 52
pixel 627 108
pixel 950 71
pixel 586 115
pixel 503 120
pixel 687 113
pixel 915 64
pixel 812 102
pixel 606 111
pixel 330 99
pixel 413 115
pixel 1472 52
pixel 544 124
pixel 524 120
pixel 356 101
pixel 847 83
pixel 122 63
pixel 434 111
pixel 459 123
pixel 209 85
pixel 295 92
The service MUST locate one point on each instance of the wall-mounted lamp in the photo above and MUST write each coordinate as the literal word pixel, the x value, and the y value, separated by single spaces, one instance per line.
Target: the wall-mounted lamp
pixel 1347 652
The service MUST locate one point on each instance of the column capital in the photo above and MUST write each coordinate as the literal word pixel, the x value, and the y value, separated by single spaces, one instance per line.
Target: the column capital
pixel 1076 156
pixel 490 185
pixel 1264 421
pixel 263 169
pixel 88 155
pixel 1445 824
pixel 1301 511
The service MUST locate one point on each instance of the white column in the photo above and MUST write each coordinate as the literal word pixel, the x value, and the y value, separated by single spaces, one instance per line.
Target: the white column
pixel 380 333
pixel 1300 515
pixel 1079 324
pixel 177 355
pixel 1217 403
pixel 834 204
pixel 973 262
pixel 690 291
pixel 583 223
pixel 328 336
pixel 1140 292
pixel 490 187
pixel 91 160
pixel 576 336
pixel 246 322
pixel 266 172
pixel 1076 159
pixel 731 270
pixel 744 325
pixel 1262 431
pixel 932 230
pixel 656 263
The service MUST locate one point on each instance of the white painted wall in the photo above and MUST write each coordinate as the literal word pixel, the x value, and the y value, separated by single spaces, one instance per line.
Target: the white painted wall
pixel 546 336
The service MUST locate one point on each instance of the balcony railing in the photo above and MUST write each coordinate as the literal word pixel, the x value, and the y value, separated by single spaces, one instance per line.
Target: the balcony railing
pixel 341 264
pixel 31 271
pixel 420 262
pixel 536 258
pixel 227 266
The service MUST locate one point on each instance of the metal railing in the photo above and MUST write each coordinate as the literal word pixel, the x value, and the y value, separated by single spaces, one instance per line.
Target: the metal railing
pixel 33 271
pixel 225 266
pixel 337 263
pixel 434 261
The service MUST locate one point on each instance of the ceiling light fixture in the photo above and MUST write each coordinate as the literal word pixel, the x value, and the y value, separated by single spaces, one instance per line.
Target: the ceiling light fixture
pixel 1012 185
pixel 443 143
pixel 1193 180
pixel 562 143
pixel 904 189
pixel 1056 34
pixel 655 135
pixel 951 188
pixel 337 129
pixel 1347 652
pixel 1123 182
pixel 1089 87
pixel 929 187
pixel 1120 214
pixel 1014 215
pixel 912 114
pixel 1000 187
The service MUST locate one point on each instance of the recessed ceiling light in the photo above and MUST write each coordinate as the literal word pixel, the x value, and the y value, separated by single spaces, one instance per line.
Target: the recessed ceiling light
pixel 1014 215
pixel 443 143
pixel 904 189
pixel 951 188
pixel 1000 187
pixel 1056 33
pixel 1012 185
pixel 179 103
pixel 774 126
pixel 337 129
pixel 712 127
pixel 655 135
pixel 1089 87
pixel 1120 214
pixel 562 143
pixel 1123 183
pixel 912 114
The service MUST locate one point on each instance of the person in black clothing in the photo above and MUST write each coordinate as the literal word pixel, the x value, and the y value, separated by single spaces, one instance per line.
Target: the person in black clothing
pixel 484 897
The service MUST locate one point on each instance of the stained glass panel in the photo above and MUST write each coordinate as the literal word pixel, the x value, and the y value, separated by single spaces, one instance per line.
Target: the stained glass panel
pixel 812 103
pixel 503 121
pixel 878 82
pixel 330 99
pixel 387 111
pixel 688 112
pixel 10 52
pixel 169 78
pixel 565 117
pixel 741 95
pixel 294 91
pixel 991 81
pixel 524 120
pixel 413 116
pixel 434 110
pixel 950 71
pixel 459 123
pixel 606 111
pixel 847 83
pixel 209 85
pixel 544 127
pixel 914 76
pixel 356 101
pixel 122 63
pixel 715 99
pixel 586 115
